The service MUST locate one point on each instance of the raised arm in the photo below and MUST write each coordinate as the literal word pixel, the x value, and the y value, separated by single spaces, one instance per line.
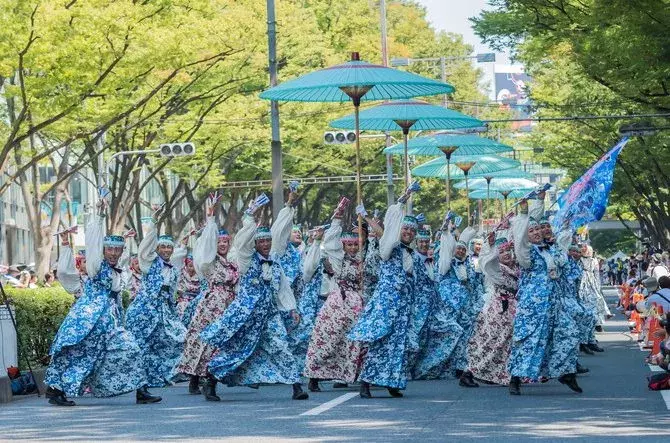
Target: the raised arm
pixel 311 261
pixel 243 244
pixel 332 246
pixel 204 251
pixel 392 225
pixel 94 238
pixel 489 264
pixel 521 242
pixel 67 272
pixel 179 257
pixel 146 253
pixel 447 248
pixel 281 230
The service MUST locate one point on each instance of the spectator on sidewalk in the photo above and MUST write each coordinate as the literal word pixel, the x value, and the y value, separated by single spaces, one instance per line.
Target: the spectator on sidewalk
pixel 661 296
pixel 657 268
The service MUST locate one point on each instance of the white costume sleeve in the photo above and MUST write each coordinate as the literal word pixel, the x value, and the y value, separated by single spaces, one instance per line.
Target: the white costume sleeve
pixel 94 238
pixel 243 244
pixel 178 257
pixel 536 209
pixel 281 230
pixel 124 261
pixel 521 242
pixel 392 225
pixel 489 264
pixel 311 261
pixel 68 276
pixel 146 253
pixel 447 247
pixel 332 246
pixel 467 235
pixel 204 251
pixel 563 239
pixel 285 298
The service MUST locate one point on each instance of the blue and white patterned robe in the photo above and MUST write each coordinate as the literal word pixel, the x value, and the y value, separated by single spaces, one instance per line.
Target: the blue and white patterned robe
pixel 564 337
pixel 533 316
pixel 92 352
pixel 384 325
pixel 152 317
pixel 434 328
pixel 251 336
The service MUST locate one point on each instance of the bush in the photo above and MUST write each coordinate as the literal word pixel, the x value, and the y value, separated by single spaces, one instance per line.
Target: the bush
pixel 39 313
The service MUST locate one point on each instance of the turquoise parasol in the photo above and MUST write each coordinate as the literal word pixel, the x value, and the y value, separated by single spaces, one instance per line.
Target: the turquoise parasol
pixel 465 166
pixel 357 81
pixel 403 115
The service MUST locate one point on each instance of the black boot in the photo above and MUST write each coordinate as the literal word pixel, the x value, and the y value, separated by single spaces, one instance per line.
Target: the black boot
pixel 143 396
pixel 515 386
pixel 570 380
pixel 395 392
pixel 194 385
pixel 458 373
pixel 594 347
pixel 298 393
pixel 313 385
pixel 599 328
pixel 467 380
pixel 57 397
pixel 581 369
pixel 584 348
pixel 365 390
pixel 338 385
pixel 209 390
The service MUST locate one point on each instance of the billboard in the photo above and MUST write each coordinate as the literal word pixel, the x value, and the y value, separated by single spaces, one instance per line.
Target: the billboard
pixel 511 89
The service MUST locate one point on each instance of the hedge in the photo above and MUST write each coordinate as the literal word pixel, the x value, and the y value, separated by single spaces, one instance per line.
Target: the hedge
pixel 39 313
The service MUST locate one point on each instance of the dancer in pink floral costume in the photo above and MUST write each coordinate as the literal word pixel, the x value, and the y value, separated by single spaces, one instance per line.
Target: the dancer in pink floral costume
pixel 331 355
pixel 211 262
pixel 489 346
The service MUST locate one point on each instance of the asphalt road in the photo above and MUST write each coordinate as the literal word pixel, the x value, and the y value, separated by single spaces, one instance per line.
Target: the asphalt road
pixel 615 406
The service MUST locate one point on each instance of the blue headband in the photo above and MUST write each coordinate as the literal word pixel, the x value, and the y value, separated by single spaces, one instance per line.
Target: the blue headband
pixel 114 241
pixel 262 232
pixel 223 233
pixel 349 237
pixel 410 222
pixel 165 240
pixel 422 234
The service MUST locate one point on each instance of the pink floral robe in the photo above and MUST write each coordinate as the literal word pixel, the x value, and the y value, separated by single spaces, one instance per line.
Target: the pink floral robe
pixel 331 355
pixel 221 280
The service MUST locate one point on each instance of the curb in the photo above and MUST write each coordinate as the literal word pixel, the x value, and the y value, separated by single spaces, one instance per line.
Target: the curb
pixel 6 395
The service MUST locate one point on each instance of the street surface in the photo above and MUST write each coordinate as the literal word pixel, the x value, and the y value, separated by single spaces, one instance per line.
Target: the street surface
pixel 615 406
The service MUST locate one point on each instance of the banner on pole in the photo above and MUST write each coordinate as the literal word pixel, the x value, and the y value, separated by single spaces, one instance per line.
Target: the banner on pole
pixel 587 198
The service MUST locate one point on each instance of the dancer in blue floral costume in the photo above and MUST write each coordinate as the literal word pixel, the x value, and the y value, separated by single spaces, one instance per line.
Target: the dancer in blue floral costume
pixel 563 344
pixel 384 325
pixel 290 251
pixel 152 317
pixel 251 337
pixel 572 273
pixel 462 287
pixel 533 320
pixel 92 352
pixel 434 332
pixel 591 296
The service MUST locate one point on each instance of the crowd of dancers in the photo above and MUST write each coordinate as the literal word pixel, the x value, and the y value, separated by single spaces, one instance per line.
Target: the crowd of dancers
pixel 377 304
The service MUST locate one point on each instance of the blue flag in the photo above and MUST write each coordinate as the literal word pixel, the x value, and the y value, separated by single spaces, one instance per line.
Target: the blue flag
pixel 587 198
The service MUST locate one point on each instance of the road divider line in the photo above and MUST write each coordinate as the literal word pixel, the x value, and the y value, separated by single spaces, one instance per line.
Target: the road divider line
pixel 330 404
pixel 666 398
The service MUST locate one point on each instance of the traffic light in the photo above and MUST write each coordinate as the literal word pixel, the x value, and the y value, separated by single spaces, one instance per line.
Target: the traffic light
pixel 339 137
pixel 177 149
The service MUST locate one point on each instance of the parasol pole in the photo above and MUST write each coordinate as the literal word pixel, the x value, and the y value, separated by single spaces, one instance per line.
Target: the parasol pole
pixel 488 192
pixel 448 150
pixel 405 125
pixel 465 167
pixel 356 93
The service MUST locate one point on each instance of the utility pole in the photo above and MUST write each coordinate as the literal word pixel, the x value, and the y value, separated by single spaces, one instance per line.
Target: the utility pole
pixel 275 145
pixel 443 67
pixel 390 198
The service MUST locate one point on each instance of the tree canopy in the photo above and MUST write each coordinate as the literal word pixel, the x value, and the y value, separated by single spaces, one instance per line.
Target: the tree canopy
pixel 603 58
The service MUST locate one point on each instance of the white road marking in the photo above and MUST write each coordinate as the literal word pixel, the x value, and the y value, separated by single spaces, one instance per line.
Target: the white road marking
pixel 330 404
pixel 666 398
pixel 655 368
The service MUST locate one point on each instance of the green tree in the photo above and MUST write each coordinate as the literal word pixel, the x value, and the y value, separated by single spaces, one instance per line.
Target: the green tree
pixel 602 58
